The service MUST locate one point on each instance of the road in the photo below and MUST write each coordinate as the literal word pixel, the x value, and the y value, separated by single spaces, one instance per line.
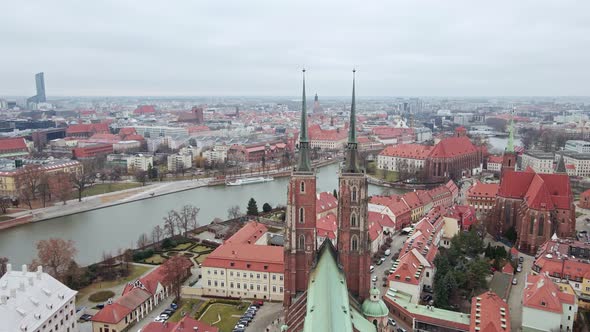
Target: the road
pixel 380 270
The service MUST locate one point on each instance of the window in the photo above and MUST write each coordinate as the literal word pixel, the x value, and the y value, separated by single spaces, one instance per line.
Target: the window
pixel 274 289
pixel 231 285
pixel 281 277
pixel 353 220
pixel 301 242
pixel 541 225
pixel 301 215
pixel 238 285
pixel 302 187
pixel 274 277
pixel 281 289
pixel 353 195
pixel 532 225
pixel 209 282
pixel 354 243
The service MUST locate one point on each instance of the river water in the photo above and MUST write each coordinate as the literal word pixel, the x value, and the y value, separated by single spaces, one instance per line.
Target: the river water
pixel 116 227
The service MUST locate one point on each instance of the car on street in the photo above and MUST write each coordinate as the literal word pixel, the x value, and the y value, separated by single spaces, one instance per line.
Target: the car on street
pixel 86 317
pixel 380 261
pixel 391 322
pixel 173 306
pixel 401 330
pixel 238 330
pixel 371 269
pixel 253 307
pixel 519 268
pixel 240 326
pixel 244 322
pixel 520 259
pixel 387 252
pixel 514 281
pixel 258 303
pixel 159 319
pixel 374 279
pixel 427 298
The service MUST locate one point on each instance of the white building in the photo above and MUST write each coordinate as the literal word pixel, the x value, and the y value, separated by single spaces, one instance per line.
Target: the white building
pixel 423 134
pixel 576 164
pixel 545 307
pixel 539 161
pixel 126 146
pixel 139 162
pixel 160 131
pixel 217 156
pixel 35 302
pixel 177 162
pixel 577 146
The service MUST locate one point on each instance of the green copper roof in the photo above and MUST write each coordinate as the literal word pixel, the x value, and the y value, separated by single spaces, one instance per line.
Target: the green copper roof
pixel 328 308
pixel 351 165
pixel 304 164
pixel 374 305
pixel 510 145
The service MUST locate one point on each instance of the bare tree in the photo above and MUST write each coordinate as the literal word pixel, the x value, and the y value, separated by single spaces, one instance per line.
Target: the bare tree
pixel 26 195
pixel 170 223
pixel 29 177
pixel 44 190
pixel 157 234
pixel 61 186
pixel 186 219
pixel 5 203
pixel 175 271
pixel 141 176
pixel 234 212
pixel 81 180
pixel 56 256
pixel 3 262
pixel 143 240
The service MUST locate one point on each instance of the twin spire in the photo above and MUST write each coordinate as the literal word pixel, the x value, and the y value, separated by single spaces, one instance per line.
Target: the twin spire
pixel 304 163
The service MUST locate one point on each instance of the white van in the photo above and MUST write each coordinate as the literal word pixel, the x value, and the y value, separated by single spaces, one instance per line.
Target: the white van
pixel 371 269
pixel 387 252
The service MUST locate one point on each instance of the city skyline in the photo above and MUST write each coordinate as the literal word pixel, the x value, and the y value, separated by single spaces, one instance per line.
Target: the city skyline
pixel 407 49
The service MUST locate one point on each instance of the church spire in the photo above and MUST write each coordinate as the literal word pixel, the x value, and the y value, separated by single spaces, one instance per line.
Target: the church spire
pixel 351 148
pixel 560 169
pixel 304 164
pixel 510 145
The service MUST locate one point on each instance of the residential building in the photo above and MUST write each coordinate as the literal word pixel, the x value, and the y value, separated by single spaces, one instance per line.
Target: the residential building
pixel 10 179
pixel 85 130
pixel 160 131
pixel 566 262
pixel 539 161
pixel 35 301
pixel 482 196
pixel 577 146
pixel 576 163
pixel 186 324
pixel 489 313
pixel 240 268
pixel 178 162
pixel 126 146
pixel 217 156
pixel 13 147
pixel 140 162
pixel 545 307
pixel 585 199
pixel 327 139
pixel 494 163
pixel 537 206
pixel 138 299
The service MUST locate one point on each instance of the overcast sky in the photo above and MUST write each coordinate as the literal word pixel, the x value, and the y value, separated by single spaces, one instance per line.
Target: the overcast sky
pixel 250 47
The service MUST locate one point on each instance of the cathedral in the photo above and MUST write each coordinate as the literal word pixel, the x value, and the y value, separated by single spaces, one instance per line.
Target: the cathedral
pixel 327 287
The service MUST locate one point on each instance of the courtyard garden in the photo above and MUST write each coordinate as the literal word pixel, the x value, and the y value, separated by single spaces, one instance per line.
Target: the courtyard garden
pixel 189 248
pixel 223 314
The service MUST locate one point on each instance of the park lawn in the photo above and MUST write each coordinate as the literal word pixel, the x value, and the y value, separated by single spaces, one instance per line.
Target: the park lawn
pixel 187 306
pixel 388 176
pixel 136 272
pixel 103 188
pixel 226 312
pixel 182 246
pixel 155 259
pixel 201 258
pixel 200 248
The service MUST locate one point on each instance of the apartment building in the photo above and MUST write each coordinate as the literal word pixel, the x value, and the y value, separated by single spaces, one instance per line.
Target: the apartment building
pixel 539 161
pixel 177 162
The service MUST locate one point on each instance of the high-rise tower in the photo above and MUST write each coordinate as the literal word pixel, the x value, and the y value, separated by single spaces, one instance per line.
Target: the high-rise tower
pixel 40 85
pixel 300 230
pixel 353 232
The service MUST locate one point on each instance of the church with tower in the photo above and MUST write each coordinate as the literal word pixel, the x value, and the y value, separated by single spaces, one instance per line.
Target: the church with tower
pixel 327 287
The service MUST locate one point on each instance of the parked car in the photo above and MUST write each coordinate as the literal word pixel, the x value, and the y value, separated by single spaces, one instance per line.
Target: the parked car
pixel 387 252
pixel 520 259
pixel 258 303
pixel 519 268
pixel 240 326
pixel 253 307
pixel 379 262
pixel 371 269
pixel 168 312
pixel 238 330
pixel 374 279
pixel 391 322
pixel 427 298
pixel 86 317
pixel 244 321
pixel 159 319
pixel 514 281
pixel 401 330
pixel 174 306
pixel 100 306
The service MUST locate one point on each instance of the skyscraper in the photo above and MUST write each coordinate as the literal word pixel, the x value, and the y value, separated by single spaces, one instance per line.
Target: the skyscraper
pixel 40 84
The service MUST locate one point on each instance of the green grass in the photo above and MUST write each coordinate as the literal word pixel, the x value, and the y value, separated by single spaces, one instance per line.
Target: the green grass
pixel 4 218
pixel 187 306
pixel 136 272
pixel 101 296
pixel 226 311
pixel 155 259
pixel 201 258
pixel 579 214
pixel 182 246
pixel 388 176
pixel 200 248
pixel 103 188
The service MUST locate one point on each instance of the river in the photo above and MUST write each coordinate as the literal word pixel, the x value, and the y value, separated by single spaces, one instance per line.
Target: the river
pixel 498 144
pixel 116 227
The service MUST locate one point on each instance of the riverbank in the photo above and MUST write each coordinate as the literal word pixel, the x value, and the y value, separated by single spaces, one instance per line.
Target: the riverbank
pixel 401 185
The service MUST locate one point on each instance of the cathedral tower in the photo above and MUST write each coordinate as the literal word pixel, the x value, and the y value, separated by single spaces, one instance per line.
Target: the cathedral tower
pixel 353 232
pixel 509 158
pixel 300 230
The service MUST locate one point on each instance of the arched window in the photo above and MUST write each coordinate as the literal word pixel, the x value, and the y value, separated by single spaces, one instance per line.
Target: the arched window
pixel 353 220
pixel 509 162
pixel 301 215
pixel 353 194
pixel 532 225
pixel 302 187
pixel 301 242
pixel 354 243
pixel 541 225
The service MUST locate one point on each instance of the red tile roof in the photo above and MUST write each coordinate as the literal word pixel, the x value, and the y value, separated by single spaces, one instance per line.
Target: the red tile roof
pixel 115 312
pixel 412 151
pixel 411 199
pixel 145 109
pixel 479 189
pixel 383 219
pixel 102 128
pixel 325 202
pixel 489 313
pixel 453 147
pixel 553 190
pixel 249 234
pixel 13 144
pixel 327 226
pixel 542 294
pixel 407 268
pixel 186 324
pixel 495 159
pixel 508 269
pixel 247 257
